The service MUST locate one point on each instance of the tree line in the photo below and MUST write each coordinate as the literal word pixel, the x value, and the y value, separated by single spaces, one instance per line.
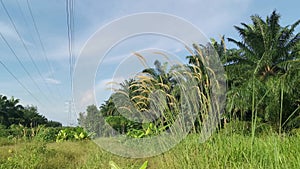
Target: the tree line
pixel 13 113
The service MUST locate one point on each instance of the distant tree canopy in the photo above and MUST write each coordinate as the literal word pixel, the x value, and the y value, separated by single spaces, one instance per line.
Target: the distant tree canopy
pixel 12 112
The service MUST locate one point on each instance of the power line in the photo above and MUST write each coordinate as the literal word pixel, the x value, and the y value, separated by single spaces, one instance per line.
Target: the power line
pixel 41 43
pixel 24 19
pixel 22 65
pixel 25 47
pixel 21 84
pixel 70 7
pixel 39 37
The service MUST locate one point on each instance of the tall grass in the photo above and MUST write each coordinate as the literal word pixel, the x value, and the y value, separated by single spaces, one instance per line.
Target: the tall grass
pixel 225 149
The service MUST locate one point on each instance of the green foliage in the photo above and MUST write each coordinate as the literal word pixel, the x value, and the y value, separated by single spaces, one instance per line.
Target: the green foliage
pixel 117 122
pixel 148 129
pixel 113 165
pixel 76 133
pixel 296 132
pixel 11 112
pixel 92 121
pixel 53 124
pixel 47 134
pixel 263 73
pixel 44 134
pixel 144 166
pixel 3 131
pixel 30 156
pixel 223 150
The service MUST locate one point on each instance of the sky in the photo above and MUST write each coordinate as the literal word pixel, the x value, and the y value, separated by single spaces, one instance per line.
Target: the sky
pixel 35 48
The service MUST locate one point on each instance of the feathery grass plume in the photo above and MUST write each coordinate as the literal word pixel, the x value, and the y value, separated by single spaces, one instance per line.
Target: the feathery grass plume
pixel 142 59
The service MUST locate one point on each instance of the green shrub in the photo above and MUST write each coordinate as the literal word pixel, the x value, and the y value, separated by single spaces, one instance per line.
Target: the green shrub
pixel 295 132
pixel 48 134
pixel 72 133
pixel 3 131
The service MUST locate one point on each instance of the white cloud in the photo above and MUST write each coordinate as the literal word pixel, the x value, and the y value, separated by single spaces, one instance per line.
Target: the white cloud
pixel 53 81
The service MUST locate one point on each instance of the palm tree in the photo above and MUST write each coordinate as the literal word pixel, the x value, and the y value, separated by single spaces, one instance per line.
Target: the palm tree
pixel 268 61
pixel 10 111
pixel 267 47
pixel 3 112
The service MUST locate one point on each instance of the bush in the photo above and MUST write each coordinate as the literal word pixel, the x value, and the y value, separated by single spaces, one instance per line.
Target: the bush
pixel 41 133
pixel 48 134
pixel 72 133
pixel 3 131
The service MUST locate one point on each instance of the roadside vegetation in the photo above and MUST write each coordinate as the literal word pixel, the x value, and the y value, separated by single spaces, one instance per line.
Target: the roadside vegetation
pixel 258 128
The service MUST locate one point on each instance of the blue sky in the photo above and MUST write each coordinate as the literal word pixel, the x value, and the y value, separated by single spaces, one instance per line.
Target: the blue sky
pixel 213 18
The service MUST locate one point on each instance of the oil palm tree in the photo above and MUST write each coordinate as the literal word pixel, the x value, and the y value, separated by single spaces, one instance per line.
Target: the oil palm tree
pixel 11 112
pixel 269 53
pixel 267 47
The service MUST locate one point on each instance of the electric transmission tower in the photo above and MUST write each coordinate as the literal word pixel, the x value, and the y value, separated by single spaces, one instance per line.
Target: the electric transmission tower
pixel 70 109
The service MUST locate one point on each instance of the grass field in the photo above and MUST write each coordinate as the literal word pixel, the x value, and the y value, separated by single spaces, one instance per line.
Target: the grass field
pixel 224 150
